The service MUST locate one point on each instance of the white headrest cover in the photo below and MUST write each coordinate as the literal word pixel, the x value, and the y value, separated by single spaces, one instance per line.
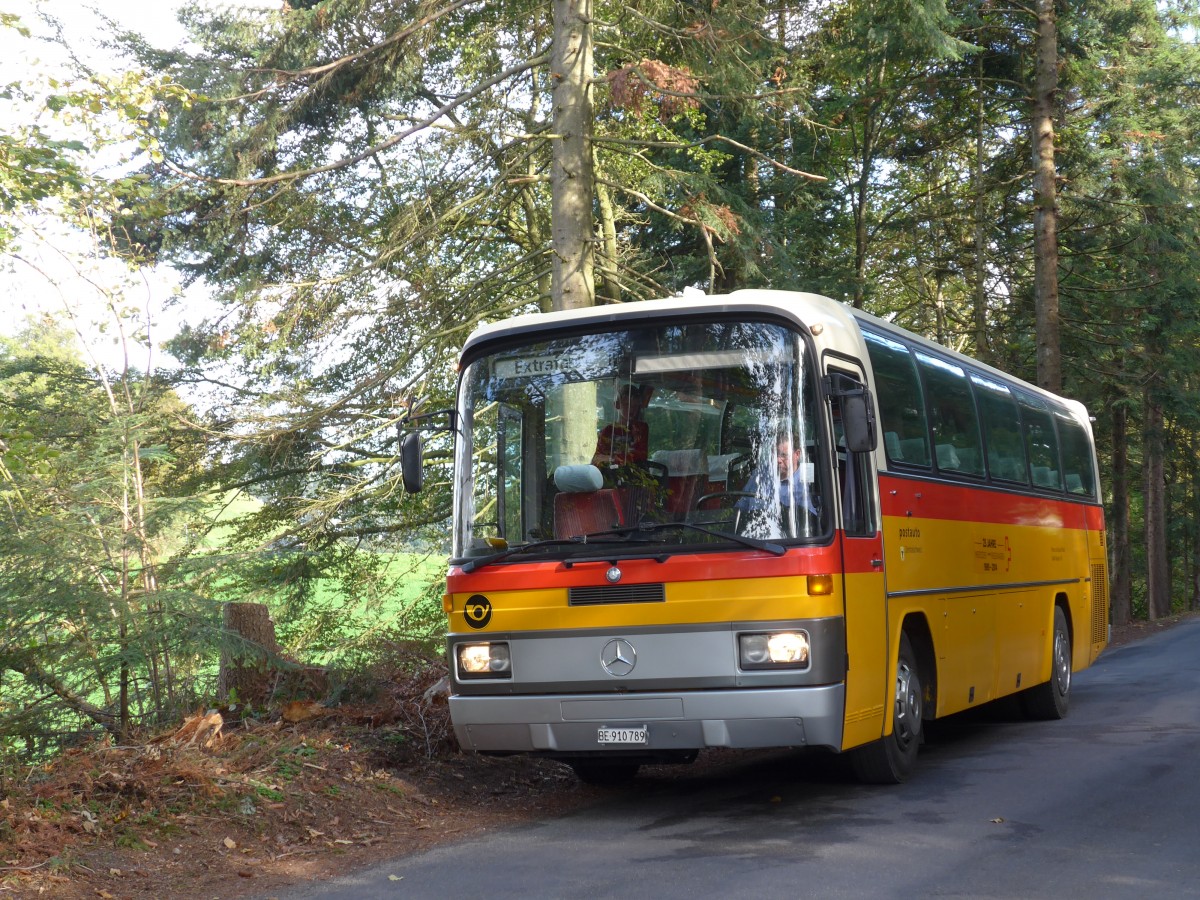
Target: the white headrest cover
pixel 578 479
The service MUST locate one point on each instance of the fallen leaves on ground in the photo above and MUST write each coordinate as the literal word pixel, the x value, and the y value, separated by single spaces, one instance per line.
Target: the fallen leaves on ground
pixel 234 811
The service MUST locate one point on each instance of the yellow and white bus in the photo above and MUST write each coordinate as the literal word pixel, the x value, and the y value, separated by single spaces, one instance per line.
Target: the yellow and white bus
pixel 823 532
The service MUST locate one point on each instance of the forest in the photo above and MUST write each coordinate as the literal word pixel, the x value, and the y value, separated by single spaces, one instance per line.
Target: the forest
pixel 353 186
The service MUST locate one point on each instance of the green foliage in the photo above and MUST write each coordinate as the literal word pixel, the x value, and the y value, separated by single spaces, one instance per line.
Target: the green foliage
pixel 93 634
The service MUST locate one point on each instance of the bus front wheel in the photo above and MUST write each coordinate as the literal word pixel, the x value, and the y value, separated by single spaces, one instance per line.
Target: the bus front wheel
pixel 892 759
pixel 1050 700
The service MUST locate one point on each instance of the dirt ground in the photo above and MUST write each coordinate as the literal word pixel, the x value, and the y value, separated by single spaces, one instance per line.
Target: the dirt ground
pixel 229 810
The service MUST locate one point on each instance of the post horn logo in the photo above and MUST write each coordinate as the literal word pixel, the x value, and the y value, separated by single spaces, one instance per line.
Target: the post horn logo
pixel 478 611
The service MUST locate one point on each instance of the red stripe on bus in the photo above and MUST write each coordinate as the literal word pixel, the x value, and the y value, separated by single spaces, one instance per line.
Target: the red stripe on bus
pixel 824 560
pixel 904 497
pixel 910 497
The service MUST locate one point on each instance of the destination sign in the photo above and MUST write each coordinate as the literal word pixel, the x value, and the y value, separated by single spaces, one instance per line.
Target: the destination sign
pixel 533 366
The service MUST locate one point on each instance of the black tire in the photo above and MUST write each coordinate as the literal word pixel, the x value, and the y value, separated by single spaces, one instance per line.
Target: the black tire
pixel 1052 699
pixel 892 759
pixel 605 772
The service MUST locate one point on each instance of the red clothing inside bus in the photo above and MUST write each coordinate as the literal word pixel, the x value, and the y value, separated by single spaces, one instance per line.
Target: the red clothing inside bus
pixel 620 444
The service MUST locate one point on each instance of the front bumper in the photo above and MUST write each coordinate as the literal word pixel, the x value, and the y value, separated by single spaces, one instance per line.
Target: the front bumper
pixel 569 723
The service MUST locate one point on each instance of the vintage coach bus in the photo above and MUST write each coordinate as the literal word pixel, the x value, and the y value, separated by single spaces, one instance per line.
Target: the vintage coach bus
pixel 756 520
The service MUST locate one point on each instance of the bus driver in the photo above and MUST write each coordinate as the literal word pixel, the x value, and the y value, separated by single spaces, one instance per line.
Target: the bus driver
pixel 790 484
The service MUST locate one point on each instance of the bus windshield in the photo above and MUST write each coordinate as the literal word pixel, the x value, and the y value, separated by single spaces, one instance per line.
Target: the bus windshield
pixel 687 434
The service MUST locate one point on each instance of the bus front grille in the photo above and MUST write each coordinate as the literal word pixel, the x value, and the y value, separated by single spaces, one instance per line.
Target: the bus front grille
pixel 616 593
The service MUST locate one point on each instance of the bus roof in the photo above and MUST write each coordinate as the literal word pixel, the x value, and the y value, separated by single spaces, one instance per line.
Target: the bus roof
pixel 839 325
pixel 789 304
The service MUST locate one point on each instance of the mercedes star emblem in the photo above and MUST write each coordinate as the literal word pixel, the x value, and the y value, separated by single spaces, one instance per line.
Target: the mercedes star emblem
pixel 613 575
pixel 618 657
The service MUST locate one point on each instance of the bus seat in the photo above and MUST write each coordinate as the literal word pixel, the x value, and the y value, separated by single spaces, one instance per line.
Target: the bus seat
pixel 1044 476
pixel 718 467
pixel 968 460
pixel 718 478
pixel 687 474
pixel 998 464
pixel 947 457
pixel 891 441
pixel 1075 483
pixel 582 504
pixel 914 450
pixel 1005 467
pixel 585 512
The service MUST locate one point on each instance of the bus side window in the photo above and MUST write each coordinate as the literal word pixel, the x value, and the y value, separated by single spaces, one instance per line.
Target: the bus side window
pixel 854 480
pixel 901 405
pixel 1001 430
pixel 1041 443
pixel 954 425
pixel 1079 474
pixel 509 458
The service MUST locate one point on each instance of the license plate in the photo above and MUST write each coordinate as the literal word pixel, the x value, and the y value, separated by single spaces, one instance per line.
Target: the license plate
pixel 628 734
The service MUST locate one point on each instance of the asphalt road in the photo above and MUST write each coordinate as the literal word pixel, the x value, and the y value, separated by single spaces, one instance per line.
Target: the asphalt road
pixel 1105 803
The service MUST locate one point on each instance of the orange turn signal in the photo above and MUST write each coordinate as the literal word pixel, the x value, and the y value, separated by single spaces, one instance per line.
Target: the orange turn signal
pixel 820 585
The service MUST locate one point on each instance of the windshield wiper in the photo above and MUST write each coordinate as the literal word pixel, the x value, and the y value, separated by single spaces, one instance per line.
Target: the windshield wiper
pixel 474 564
pixel 648 528
pixel 482 561
pixel 641 531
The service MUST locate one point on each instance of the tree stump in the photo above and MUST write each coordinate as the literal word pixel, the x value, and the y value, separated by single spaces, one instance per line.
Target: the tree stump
pixel 254 671
pixel 247 673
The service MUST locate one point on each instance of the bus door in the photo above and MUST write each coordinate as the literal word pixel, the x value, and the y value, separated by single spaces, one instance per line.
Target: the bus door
pixel 861 543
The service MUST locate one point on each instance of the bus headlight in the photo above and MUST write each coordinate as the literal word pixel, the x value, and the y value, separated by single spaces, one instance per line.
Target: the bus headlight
pixel 776 650
pixel 490 660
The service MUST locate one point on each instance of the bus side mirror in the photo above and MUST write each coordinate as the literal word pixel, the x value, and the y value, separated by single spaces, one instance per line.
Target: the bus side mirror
pixel 412 469
pixel 858 422
pixel 857 411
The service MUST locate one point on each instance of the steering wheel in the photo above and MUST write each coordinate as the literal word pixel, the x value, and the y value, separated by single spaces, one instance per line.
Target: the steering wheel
pixel 724 495
pixel 727 503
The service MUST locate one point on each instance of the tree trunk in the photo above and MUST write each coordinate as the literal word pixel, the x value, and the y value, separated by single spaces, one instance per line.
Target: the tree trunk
pixel 980 288
pixel 610 282
pixel 861 189
pixel 941 325
pixel 1120 561
pixel 1045 209
pixel 1158 586
pixel 246 675
pixel 571 178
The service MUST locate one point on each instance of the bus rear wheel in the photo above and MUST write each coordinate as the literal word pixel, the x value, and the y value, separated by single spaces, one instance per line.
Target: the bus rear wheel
pixel 1051 700
pixel 892 759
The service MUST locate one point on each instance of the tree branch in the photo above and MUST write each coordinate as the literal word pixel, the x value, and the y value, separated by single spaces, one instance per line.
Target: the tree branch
pixel 370 151
pixel 685 145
